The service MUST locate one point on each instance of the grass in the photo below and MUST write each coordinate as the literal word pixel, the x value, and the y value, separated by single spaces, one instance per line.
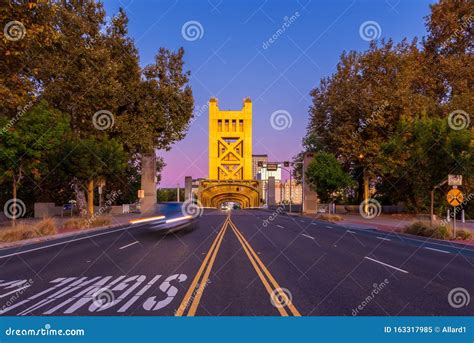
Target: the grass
pixel 330 217
pixel 421 228
pixel 84 223
pixel 23 231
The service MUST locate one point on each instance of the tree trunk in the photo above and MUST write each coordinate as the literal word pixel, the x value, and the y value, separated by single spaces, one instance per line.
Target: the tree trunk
pixel 14 209
pixel 81 202
pixel 90 198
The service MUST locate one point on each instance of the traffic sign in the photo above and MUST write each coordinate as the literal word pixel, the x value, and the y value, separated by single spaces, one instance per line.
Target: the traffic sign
pixel 455 197
pixel 454 180
pixel 272 166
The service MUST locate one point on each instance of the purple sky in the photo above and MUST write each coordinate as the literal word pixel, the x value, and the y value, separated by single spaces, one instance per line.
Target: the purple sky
pixel 232 58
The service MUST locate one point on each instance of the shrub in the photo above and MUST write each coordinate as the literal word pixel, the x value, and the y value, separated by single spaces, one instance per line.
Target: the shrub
pixel 23 231
pixel 74 224
pixel 424 229
pixel 84 223
pixel 101 221
pixel 330 217
pixel 463 234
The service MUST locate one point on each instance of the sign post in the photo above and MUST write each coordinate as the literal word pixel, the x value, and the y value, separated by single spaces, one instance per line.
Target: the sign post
pixel 455 198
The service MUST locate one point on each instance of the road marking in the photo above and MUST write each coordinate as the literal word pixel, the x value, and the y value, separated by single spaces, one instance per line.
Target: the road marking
pixel 314 223
pixel 446 252
pixel 386 264
pixel 350 231
pixel 281 226
pixel 328 227
pixel 65 242
pixel 384 239
pixel 193 295
pixel 264 274
pixel 302 221
pixel 307 236
pixel 128 245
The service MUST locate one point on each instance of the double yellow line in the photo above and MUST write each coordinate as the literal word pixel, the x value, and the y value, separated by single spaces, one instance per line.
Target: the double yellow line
pixel 280 299
pixel 193 295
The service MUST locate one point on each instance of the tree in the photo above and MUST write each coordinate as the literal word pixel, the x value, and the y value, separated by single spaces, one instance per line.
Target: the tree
pixel 326 176
pixel 88 160
pixel 376 98
pixel 27 37
pixel 26 142
pixel 422 155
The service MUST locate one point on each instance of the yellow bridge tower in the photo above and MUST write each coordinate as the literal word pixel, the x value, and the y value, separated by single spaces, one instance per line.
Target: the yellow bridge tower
pixel 230 158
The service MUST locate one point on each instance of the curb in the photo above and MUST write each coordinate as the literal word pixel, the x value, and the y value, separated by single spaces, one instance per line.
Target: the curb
pixel 25 242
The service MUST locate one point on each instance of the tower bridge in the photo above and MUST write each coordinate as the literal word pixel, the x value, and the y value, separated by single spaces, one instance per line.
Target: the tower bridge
pixel 230 159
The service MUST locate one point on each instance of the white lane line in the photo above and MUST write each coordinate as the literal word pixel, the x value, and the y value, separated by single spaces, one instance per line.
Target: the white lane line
pixel 302 221
pixel 328 227
pixel 446 252
pixel 314 223
pixel 350 231
pixel 384 239
pixel 307 236
pixel 385 264
pixel 126 246
pixel 280 226
pixel 65 242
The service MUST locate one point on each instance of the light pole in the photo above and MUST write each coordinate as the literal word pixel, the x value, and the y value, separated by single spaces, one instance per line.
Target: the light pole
pixel 291 197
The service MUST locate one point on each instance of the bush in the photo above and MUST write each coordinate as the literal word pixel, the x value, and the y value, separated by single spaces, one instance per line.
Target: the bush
pixel 84 223
pixel 463 234
pixel 23 231
pixel 74 224
pixel 424 229
pixel 330 217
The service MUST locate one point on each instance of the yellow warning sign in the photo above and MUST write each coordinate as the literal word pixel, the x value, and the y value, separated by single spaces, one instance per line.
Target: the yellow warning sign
pixel 455 197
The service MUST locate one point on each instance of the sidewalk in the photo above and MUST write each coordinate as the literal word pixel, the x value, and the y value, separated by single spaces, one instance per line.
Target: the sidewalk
pixel 116 220
pixel 390 223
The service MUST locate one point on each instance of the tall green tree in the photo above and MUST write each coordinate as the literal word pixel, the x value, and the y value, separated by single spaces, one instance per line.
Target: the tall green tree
pixel 326 177
pixel 27 141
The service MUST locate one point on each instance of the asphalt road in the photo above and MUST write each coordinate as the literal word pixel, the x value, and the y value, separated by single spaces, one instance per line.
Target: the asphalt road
pixel 249 262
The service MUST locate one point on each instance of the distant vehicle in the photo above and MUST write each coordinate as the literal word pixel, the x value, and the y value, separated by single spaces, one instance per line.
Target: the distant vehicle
pixel 169 217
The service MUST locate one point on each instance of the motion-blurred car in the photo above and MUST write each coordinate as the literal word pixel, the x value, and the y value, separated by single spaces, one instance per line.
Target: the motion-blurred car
pixel 169 217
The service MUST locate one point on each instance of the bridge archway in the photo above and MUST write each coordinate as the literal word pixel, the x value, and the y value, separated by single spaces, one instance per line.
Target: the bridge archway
pixel 214 193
